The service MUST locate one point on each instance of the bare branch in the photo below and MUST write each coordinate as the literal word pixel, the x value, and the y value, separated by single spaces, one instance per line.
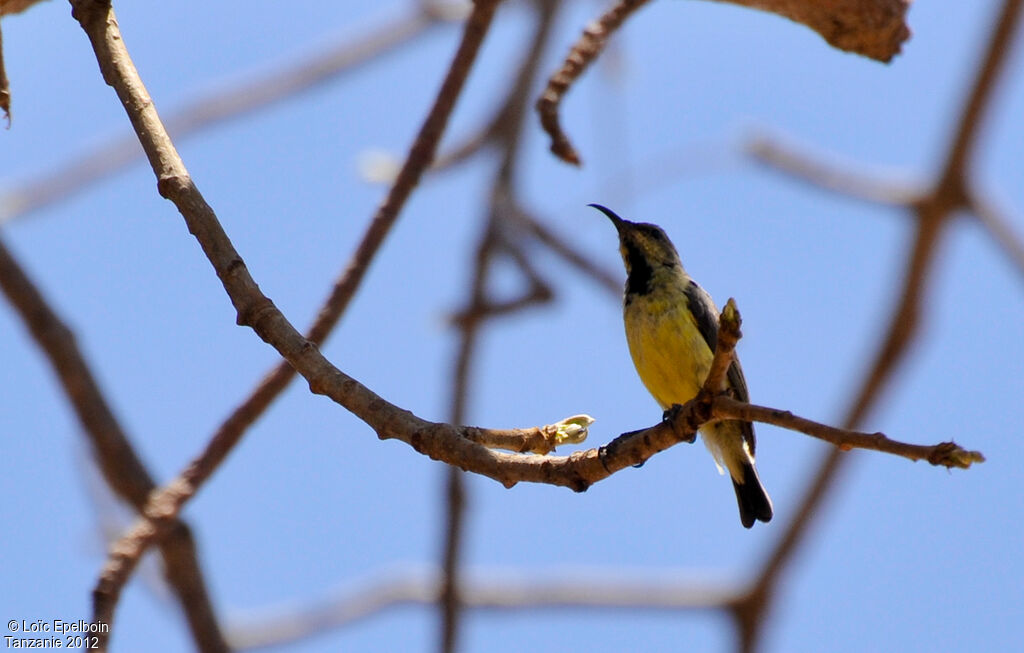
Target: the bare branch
pixel 582 54
pixel 504 132
pixel 449 597
pixel 492 590
pixel 972 114
pixel 788 159
pixel 946 454
pixel 470 145
pixel 933 212
pixel 569 254
pixel 999 226
pixel 114 455
pixel 482 307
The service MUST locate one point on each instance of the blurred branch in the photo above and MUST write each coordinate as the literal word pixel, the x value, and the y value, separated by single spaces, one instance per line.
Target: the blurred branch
pixel 787 158
pixel 494 590
pixel 114 455
pixel 504 132
pixel 223 105
pixel 932 213
pixel 449 597
pixel 873 28
pixel 999 226
pixel 469 322
pixel 449 600
pixel 254 309
pixel 469 146
pixel 581 55
pixel 569 254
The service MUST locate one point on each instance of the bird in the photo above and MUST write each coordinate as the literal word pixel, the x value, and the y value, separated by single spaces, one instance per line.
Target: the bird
pixel 672 328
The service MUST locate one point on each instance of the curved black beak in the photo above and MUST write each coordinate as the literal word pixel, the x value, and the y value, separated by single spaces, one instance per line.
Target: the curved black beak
pixel 616 220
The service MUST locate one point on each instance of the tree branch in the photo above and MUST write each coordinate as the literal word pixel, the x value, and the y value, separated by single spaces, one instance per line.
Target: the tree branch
pixel 491 590
pixel 590 44
pixel 561 247
pixel 114 455
pixel 786 158
pixel 945 454
pixel 1000 227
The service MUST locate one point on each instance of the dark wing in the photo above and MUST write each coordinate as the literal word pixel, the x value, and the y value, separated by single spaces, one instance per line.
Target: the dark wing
pixel 704 312
pixel 706 316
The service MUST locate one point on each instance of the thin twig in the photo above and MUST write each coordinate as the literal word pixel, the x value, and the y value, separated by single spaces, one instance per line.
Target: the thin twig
pixel 582 54
pixel 569 254
pixel 945 454
pixel 448 596
pixel 120 465
pixel 999 226
pixel 785 157
pixel 469 146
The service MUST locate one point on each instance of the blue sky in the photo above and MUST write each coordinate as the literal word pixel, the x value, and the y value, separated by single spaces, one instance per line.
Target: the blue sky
pixel 904 556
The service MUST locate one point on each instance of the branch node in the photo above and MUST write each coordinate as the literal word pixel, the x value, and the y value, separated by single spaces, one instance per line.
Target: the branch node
pixel 171 185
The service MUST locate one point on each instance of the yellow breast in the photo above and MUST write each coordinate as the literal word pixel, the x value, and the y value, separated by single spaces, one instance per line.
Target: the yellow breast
pixel 668 351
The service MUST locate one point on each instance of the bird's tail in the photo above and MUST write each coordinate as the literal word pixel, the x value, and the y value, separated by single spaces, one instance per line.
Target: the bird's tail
pixel 751 497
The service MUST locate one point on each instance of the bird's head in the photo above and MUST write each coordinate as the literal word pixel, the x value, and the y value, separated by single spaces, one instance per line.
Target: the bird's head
pixel 641 244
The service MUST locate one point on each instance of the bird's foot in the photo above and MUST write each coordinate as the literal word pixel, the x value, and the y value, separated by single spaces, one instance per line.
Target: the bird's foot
pixel 670 416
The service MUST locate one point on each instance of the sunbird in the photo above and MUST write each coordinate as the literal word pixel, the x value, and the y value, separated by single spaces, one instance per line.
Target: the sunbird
pixel 672 328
